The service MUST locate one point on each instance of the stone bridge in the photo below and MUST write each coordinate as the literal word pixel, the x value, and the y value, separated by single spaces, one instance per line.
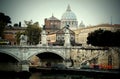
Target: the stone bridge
pixel 77 54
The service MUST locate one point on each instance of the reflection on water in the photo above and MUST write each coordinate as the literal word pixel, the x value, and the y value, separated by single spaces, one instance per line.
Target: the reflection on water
pixel 57 76
pixel 38 75
pixel 65 76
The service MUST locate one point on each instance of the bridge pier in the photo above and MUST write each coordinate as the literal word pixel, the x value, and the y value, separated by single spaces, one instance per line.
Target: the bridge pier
pixel 24 65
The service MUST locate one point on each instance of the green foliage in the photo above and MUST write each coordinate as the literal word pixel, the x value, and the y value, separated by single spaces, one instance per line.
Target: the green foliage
pixel 4 20
pixel 16 25
pixel 33 32
pixel 104 38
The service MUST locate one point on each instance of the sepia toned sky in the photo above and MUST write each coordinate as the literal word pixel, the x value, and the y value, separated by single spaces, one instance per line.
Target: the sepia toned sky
pixel 91 12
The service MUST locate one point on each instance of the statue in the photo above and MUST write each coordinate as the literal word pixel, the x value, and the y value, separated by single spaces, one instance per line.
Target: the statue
pixel 67 36
pixel 23 39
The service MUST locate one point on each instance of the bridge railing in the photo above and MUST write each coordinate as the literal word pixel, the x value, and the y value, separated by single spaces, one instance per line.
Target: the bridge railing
pixel 69 47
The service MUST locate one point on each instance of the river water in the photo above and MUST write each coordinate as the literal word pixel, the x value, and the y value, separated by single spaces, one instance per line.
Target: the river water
pixel 39 75
pixel 60 76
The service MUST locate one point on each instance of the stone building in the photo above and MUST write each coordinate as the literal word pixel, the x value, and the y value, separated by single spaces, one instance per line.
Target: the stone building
pixel 52 24
pixel 60 35
pixel 58 38
pixel 51 38
pixel 10 33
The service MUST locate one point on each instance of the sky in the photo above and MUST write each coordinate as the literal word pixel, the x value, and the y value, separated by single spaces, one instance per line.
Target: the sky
pixel 91 12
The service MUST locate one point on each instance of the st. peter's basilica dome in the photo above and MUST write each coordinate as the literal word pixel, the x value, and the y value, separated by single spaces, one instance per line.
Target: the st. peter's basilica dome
pixel 69 18
pixel 68 15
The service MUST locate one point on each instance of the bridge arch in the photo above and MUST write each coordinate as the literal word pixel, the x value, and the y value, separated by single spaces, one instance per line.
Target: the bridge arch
pixel 11 55
pixel 46 58
pixel 52 52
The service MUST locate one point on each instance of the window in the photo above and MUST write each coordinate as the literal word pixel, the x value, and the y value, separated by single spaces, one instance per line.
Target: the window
pixel 109 60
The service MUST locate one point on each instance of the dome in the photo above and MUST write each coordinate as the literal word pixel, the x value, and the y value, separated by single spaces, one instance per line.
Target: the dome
pixel 68 15
pixel 69 18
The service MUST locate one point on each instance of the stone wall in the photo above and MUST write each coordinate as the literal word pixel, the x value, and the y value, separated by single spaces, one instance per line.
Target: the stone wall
pixel 100 56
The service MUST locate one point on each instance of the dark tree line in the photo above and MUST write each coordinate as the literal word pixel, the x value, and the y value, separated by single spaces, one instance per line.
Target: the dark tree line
pixel 104 38
pixel 4 20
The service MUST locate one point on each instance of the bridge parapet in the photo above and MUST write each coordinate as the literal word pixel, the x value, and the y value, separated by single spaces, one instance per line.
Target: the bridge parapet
pixel 35 46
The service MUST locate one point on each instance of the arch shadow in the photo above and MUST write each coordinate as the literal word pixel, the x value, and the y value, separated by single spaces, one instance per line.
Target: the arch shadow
pixel 11 55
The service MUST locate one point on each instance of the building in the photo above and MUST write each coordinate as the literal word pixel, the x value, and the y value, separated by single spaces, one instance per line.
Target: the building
pixel 51 38
pixel 81 34
pixel 52 24
pixel 10 33
pixel 58 38
pixel 56 28
pixel 69 18
pixel 82 25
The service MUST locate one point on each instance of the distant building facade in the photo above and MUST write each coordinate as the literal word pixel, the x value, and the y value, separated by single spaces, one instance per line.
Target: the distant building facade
pixel 82 25
pixel 10 34
pixel 82 33
pixel 58 38
pixel 68 18
pixel 52 24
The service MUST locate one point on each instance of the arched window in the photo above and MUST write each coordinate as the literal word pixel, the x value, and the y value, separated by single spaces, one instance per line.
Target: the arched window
pixel 109 60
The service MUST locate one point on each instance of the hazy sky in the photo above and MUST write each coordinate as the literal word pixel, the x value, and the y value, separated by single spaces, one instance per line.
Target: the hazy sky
pixel 91 12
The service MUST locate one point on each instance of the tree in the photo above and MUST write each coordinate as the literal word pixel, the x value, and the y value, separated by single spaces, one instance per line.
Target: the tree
pixel 4 20
pixel 33 32
pixel 16 25
pixel 104 38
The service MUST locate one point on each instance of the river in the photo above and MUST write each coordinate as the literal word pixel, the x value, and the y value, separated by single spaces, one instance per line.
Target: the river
pixel 56 75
